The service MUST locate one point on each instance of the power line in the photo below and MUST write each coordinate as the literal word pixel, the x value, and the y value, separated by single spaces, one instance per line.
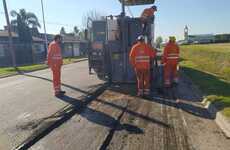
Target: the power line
pixel 130 12
pixel 52 23
pixel 58 24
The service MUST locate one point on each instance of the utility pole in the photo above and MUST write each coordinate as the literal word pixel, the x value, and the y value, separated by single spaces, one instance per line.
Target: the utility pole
pixel 10 34
pixel 123 7
pixel 44 25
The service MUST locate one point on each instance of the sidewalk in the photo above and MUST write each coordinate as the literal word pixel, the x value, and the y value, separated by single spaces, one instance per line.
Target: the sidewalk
pixel 27 100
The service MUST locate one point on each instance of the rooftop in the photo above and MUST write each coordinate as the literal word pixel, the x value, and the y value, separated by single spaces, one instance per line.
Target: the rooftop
pixel 4 33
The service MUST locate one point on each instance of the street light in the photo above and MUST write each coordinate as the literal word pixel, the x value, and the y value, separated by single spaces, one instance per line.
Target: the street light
pixel 44 24
pixel 9 33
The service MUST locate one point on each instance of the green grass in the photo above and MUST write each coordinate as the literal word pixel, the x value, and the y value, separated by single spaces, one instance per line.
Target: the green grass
pixel 4 71
pixel 213 58
pixel 72 59
pixel 209 68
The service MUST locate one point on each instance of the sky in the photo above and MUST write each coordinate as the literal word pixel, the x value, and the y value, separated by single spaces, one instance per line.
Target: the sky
pixel 201 16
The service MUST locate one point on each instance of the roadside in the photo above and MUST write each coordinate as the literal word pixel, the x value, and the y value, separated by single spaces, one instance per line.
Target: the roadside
pixel 208 67
pixel 9 71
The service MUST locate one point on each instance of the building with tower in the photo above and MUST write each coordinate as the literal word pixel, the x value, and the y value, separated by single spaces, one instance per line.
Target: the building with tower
pixel 198 38
pixel 186 33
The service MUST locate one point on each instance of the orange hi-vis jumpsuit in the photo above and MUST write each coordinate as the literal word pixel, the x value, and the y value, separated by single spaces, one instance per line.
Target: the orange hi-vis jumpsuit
pixel 140 58
pixel 145 16
pixel 147 13
pixel 54 58
pixel 170 60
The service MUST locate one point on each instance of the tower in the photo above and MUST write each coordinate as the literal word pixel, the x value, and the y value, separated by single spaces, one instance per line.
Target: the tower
pixel 186 33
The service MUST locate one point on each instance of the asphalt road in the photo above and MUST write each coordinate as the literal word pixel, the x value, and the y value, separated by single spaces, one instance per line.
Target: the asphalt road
pixel 118 120
pixel 115 120
pixel 27 100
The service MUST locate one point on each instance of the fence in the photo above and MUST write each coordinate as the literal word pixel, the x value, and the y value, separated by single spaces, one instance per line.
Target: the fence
pixel 24 54
pixel 35 53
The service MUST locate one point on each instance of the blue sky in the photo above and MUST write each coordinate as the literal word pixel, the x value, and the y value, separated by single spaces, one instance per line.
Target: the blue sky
pixel 202 16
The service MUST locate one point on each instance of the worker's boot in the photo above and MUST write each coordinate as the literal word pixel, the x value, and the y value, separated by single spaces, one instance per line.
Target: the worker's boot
pixel 62 92
pixel 175 82
pixel 59 95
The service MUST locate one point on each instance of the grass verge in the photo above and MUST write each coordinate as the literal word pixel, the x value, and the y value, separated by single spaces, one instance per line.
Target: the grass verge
pixel 5 71
pixel 204 64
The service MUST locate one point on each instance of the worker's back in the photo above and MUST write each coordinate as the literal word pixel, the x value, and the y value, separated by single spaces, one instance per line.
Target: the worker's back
pixel 171 52
pixel 140 55
pixel 147 13
pixel 54 54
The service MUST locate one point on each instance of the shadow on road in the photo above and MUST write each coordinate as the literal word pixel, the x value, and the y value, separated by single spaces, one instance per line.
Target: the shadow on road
pixel 152 120
pixel 189 108
pixel 63 84
pixel 211 85
pixel 100 118
pixel 165 100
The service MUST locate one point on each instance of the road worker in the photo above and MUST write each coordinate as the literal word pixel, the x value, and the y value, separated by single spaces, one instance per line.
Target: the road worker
pixel 170 61
pixel 140 58
pixel 147 15
pixel 54 61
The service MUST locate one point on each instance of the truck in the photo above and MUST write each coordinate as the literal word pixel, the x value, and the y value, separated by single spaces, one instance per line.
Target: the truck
pixel 111 40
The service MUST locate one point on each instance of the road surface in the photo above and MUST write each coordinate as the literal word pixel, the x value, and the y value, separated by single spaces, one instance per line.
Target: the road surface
pixel 27 100
pixel 115 120
pixel 118 120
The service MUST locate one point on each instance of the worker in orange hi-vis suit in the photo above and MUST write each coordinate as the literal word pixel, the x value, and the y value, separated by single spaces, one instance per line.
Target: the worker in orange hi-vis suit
pixel 140 58
pixel 54 61
pixel 170 61
pixel 147 14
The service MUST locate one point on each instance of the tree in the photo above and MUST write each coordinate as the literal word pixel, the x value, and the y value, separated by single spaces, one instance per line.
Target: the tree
pixel 76 30
pixel 82 34
pixel 90 16
pixel 62 31
pixel 159 40
pixel 24 22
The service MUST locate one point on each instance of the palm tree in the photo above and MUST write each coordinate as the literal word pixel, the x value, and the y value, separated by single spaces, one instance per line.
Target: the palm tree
pixel 28 18
pixel 62 31
pixel 25 21
pixel 76 30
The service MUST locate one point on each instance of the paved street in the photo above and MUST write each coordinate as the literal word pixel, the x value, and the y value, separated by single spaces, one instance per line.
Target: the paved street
pixel 116 119
pixel 27 100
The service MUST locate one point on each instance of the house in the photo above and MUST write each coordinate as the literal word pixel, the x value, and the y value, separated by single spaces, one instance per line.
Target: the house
pixel 24 53
pixel 72 46
pixel 36 52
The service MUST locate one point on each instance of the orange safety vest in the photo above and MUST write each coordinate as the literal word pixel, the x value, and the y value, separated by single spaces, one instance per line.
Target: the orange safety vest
pixel 148 12
pixel 54 56
pixel 140 56
pixel 171 53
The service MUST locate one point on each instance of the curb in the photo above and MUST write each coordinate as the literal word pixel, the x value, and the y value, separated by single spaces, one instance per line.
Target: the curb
pixel 220 119
pixel 14 74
